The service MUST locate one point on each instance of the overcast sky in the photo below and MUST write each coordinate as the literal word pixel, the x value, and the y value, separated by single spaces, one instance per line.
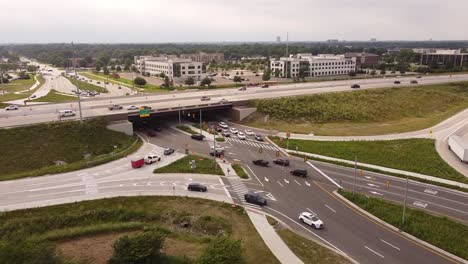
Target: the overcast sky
pixel 126 21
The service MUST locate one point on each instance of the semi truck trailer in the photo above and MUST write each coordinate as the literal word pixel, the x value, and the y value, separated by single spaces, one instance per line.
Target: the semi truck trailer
pixel 459 147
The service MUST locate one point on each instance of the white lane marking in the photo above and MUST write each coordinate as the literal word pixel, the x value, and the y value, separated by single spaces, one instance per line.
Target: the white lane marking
pixel 254 175
pixel 376 193
pixel 280 183
pixel 266 179
pixel 224 186
pixel 326 176
pixel 270 196
pixel 368 177
pixel 231 153
pixel 308 209
pixel 420 204
pixel 298 183
pixel 286 181
pixel 307 229
pixel 373 185
pixel 380 255
pixel 434 192
pixel 308 184
pixel 331 209
pixel 390 244
pixel 238 160
pixel 253 206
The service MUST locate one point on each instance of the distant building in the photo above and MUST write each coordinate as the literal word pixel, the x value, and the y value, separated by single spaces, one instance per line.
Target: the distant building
pixel 332 40
pixel 308 65
pixel 278 39
pixel 174 68
pixel 204 57
pixel 373 40
pixel 445 56
pixel 364 59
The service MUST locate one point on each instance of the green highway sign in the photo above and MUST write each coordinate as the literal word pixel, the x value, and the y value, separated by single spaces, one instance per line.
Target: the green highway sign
pixel 145 112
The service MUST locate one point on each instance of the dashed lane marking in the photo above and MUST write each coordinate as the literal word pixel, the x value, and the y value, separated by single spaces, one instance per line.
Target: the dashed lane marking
pixel 378 254
pixel 390 244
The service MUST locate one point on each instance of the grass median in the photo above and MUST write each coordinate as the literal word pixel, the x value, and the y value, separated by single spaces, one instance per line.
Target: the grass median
pixel 204 165
pixel 186 129
pixel 60 147
pixel 415 155
pixel 439 231
pixel 122 81
pixel 54 97
pixel 240 171
pixel 87 86
pixel 84 232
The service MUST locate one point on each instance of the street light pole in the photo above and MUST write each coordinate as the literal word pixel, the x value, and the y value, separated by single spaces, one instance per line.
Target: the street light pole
pixel 200 121
pixel 404 204
pixel 77 84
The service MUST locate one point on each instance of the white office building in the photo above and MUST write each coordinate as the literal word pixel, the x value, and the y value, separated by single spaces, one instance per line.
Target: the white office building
pixel 175 68
pixel 308 65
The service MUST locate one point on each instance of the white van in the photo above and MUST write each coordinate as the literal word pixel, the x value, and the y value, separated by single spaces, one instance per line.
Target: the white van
pixel 65 113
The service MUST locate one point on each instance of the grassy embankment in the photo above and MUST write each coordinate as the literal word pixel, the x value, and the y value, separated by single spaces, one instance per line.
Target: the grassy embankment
pixel 204 165
pixel 186 129
pixel 19 84
pixel 438 231
pixel 54 97
pixel 87 86
pixel 415 155
pixel 84 232
pixel 24 95
pixel 55 148
pixel 239 171
pixel 122 81
pixel 366 112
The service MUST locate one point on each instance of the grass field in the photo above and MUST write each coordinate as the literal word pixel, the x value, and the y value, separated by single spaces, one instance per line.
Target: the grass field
pixel 416 155
pixel 19 85
pixel 12 96
pixel 37 150
pixel 438 231
pixel 239 171
pixel 55 97
pixel 309 251
pixel 122 81
pixel 204 165
pixel 366 112
pixel 87 86
pixel 84 232
pixel 186 129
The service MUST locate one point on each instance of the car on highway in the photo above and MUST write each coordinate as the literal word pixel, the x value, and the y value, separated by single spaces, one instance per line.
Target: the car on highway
pixel 265 86
pixel 223 101
pixel 311 219
pixel 226 133
pixel 120 87
pixel 115 107
pixel 241 135
pixel 151 133
pixel 132 107
pixel 196 187
pixel 223 125
pixel 299 172
pixel 258 137
pixel 33 96
pixel 233 130
pixel 419 77
pixel 414 82
pixel 396 82
pixel 255 198
pixel 282 162
pixel 354 86
pixel 260 162
pixel 205 98
pixel 199 137
pixel 98 82
pixel 249 132
pixel 152 158
pixel 168 151
pixel 11 107
pixel 66 113
pixel 243 88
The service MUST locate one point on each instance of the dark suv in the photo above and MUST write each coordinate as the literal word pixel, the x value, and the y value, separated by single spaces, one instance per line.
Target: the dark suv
pixel 197 187
pixel 299 172
pixel 255 198
pixel 261 162
pixel 197 137
pixel 282 162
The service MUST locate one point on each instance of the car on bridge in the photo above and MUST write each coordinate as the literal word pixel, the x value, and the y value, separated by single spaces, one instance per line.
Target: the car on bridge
pixel 223 125
pixel 115 107
pixel 282 162
pixel 243 88
pixel 241 135
pixel 168 151
pixel 11 107
pixel 223 101
pixel 255 198
pixel 233 130
pixel 265 86
pixel 132 107
pixel 396 82
pixel 311 219
pixel 299 172
pixel 196 187
pixel 355 86
pixel 414 82
pixel 199 137
pixel 249 132
pixel 260 162
pixel 205 98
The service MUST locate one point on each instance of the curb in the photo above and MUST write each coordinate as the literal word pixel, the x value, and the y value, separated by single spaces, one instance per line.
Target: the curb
pixel 422 242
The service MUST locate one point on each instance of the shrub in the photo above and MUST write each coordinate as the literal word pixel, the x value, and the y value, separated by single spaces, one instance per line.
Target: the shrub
pixel 21 252
pixel 139 81
pixel 222 250
pixel 138 249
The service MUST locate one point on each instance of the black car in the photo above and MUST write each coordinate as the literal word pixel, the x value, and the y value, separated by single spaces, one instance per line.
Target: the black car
pixel 219 129
pixel 261 162
pixel 258 137
pixel 150 133
pixel 157 129
pixel 282 162
pixel 355 86
pixel 217 153
pixel 198 137
pixel 299 172
pixel 414 81
pixel 255 198
pixel 168 151
pixel 396 82
pixel 197 187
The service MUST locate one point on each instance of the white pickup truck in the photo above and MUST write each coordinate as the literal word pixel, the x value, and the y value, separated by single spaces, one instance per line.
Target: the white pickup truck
pixel 459 147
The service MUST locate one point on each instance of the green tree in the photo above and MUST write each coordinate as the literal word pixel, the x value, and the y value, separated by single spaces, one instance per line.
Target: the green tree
pixel 237 79
pixel 138 249
pixel 106 70
pixel 31 68
pixel 127 67
pixel 205 81
pixel 23 75
pixel 113 67
pixel 266 75
pixel 134 68
pixel 277 73
pixel 373 72
pixel 119 69
pixel 21 252
pixel 190 81
pixel 167 82
pixel 352 73
pixel 139 81
pixel 162 75
pixel 98 67
pixel 383 71
pixel 222 250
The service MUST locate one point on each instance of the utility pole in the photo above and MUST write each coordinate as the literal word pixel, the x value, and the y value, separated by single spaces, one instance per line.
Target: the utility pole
pixel 355 169
pixel 200 122
pixel 287 55
pixel 77 84
pixel 404 204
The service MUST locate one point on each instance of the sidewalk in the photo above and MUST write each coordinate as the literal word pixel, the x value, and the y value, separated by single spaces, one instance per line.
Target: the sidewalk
pixel 272 239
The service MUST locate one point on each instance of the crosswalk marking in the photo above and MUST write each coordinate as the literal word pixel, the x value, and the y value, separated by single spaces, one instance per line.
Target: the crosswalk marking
pixel 252 143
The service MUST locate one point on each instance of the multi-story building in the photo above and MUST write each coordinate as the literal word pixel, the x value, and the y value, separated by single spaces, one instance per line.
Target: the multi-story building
pixel 308 65
pixel 455 57
pixel 364 59
pixel 204 57
pixel 174 68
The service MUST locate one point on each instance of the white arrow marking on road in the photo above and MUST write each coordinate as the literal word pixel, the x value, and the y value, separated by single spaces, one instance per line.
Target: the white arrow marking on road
pixel 134 184
pixel 434 192
pixel 266 179
pixel 373 185
pixel 308 184
pixel 420 204
pixel 297 182
pixel 269 195
pixel 149 184
pixel 121 185
pixel 368 177
pixel 376 193
pixel 280 183
pixel 286 181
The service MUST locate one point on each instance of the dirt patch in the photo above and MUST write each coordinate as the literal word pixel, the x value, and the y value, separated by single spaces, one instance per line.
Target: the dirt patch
pixel 182 248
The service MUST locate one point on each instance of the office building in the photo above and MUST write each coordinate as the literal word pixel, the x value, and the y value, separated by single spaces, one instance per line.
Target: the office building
pixel 204 57
pixel 175 68
pixel 364 59
pixel 440 56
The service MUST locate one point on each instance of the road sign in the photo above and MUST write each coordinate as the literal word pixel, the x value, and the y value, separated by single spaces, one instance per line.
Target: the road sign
pixel 145 111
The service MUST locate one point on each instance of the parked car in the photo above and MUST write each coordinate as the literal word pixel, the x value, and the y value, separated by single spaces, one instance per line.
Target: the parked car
pixel 98 82
pixel 66 113
pixel 196 187
pixel 218 129
pixel 233 130
pixel 255 198
pixel 241 135
pixel 354 86
pixel 396 82
pixel 299 172
pixel 258 137
pixel 120 87
pixel 311 219
pixel 265 86
pixel 150 133
pixel 11 107
pixel 414 82
pixel 260 162
pixel 249 132
pixel 205 98
pixel 152 158
pixel 198 137
pixel 217 153
pixel 282 162
pixel 168 151
pixel 115 107
pixel 132 107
